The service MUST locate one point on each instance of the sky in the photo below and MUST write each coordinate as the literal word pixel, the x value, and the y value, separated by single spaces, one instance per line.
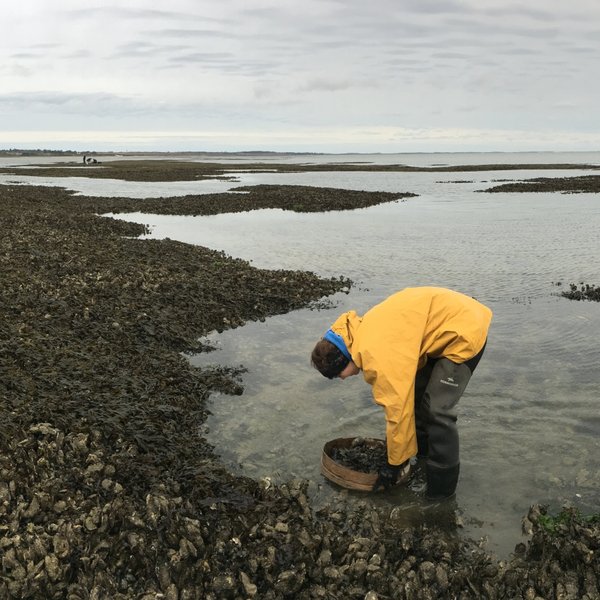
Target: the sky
pixel 301 75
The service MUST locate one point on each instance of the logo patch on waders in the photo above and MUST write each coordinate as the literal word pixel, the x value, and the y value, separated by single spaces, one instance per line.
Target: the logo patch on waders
pixel 449 381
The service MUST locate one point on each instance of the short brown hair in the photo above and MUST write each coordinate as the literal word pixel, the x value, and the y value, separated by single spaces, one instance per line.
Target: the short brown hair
pixel 328 359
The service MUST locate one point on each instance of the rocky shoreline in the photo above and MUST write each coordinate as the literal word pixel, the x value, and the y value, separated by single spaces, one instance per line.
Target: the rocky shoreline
pixel 107 490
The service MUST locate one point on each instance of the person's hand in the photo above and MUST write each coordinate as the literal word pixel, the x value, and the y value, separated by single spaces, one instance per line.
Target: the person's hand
pixel 387 476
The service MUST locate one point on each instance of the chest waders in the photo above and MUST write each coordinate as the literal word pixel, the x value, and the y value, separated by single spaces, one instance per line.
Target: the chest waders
pixel 438 388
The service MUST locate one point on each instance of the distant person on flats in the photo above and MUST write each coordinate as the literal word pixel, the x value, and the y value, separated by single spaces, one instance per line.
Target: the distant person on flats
pixel 418 350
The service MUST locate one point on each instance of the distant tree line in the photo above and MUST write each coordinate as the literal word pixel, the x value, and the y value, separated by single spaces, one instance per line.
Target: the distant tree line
pixel 40 152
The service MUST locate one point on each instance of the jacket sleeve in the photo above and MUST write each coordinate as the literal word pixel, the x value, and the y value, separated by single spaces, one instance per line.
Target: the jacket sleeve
pixel 393 386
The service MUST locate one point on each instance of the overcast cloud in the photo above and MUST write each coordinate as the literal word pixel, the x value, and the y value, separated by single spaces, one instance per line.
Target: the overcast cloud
pixel 310 75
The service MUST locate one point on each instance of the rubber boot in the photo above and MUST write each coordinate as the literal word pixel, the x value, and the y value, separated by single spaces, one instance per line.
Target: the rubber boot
pixel 441 481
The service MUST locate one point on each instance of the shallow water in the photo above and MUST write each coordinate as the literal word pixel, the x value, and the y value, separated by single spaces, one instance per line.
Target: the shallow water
pixel 529 421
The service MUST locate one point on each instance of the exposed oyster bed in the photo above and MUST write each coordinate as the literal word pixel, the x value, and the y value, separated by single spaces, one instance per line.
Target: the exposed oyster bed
pixel 297 198
pixel 107 491
pixel 582 291
pixel 567 185
pixel 177 169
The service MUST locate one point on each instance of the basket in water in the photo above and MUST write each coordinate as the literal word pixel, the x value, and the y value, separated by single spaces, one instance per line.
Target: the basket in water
pixel 346 476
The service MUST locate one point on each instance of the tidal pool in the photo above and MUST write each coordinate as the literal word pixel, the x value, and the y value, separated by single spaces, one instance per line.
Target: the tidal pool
pixel 529 420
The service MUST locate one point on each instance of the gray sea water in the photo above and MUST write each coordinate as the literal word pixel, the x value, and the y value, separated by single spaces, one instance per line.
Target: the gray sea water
pixel 529 421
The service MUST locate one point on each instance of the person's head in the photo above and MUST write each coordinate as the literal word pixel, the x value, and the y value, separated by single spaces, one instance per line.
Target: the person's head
pixel 331 357
pixel 328 359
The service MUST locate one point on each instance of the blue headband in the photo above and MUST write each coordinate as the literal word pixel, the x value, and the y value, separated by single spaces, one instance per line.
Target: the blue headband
pixel 338 342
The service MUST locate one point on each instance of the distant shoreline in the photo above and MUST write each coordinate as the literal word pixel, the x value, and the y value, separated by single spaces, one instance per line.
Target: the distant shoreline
pixel 188 170
pixel 26 152
pixel 46 152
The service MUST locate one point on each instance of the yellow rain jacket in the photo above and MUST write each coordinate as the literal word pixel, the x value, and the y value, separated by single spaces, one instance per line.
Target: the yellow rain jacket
pixel 394 339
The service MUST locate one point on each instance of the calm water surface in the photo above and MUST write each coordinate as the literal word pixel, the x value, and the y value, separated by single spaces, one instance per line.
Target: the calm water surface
pixel 529 420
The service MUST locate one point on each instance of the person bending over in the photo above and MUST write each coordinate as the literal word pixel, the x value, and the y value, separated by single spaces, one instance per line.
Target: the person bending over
pixel 418 350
